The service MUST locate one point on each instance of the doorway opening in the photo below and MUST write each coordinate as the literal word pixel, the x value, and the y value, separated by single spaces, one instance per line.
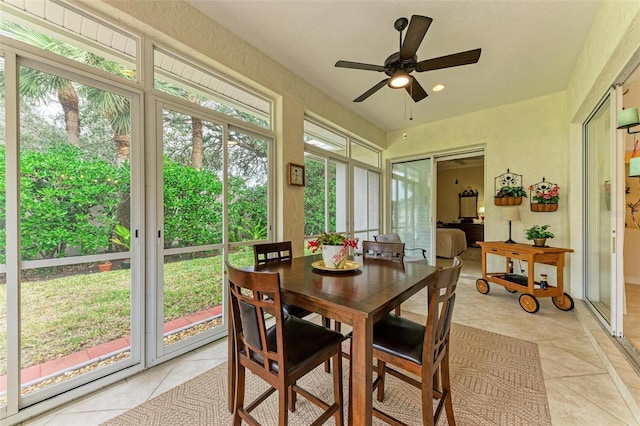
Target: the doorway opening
pixel 460 210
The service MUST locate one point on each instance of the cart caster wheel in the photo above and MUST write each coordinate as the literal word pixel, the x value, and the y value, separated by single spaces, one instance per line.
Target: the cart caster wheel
pixel 564 302
pixel 529 303
pixel 511 291
pixel 482 286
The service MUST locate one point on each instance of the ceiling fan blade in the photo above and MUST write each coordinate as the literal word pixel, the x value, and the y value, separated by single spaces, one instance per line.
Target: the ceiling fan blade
pixel 359 66
pixel 415 33
pixel 454 60
pixel 371 91
pixel 416 91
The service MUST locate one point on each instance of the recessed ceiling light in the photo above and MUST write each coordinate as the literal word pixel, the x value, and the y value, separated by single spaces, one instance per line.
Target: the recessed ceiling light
pixel 438 87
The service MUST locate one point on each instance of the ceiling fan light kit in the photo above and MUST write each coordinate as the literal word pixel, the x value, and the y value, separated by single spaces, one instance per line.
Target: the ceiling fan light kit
pixel 399 80
pixel 398 66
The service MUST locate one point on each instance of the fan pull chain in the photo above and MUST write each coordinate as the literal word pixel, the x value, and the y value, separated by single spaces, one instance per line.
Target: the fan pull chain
pixel 405 108
pixel 411 109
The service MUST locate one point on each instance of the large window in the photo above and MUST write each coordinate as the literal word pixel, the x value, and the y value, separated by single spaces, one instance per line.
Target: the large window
pixel 366 203
pixel 325 196
pixel 72 35
pixel 342 192
pixel 178 77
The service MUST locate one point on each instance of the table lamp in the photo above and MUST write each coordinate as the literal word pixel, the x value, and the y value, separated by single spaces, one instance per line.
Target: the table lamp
pixel 510 214
pixel 481 213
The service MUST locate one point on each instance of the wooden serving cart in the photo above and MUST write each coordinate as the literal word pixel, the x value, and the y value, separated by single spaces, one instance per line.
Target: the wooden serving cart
pixel 529 288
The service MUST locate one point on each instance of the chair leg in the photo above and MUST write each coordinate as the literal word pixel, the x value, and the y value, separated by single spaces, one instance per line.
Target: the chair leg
pixel 239 400
pixel 381 375
pixel 293 398
pixel 283 412
pixel 427 404
pixel 326 322
pixel 446 389
pixel 398 310
pixel 350 385
pixel 337 386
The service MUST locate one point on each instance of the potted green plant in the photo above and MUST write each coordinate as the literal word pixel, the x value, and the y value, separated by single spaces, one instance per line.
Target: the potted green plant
pixel 104 266
pixel 123 239
pixel 334 248
pixel 539 234
pixel 509 196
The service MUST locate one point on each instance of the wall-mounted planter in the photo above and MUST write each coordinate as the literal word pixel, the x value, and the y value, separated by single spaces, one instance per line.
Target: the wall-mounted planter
pixel 542 207
pixel 508 190
pixel 544 196
pixel 507 201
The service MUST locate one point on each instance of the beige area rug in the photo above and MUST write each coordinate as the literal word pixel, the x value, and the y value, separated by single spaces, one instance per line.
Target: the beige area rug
pixel 496 380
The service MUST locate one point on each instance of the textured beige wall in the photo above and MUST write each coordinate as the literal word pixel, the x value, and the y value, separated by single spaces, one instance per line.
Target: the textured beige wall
pixel 529 137
pixel 179 26
pixel 613 38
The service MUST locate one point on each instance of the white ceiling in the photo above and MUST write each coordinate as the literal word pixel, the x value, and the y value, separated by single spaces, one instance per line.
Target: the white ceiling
pixel 529 48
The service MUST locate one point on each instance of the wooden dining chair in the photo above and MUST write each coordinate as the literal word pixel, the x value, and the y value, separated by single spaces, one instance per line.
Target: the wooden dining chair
pixel 266 253
pixel 374 250
pixel 420 349
pixel 419 257
pixel 280 354
pixel 379 251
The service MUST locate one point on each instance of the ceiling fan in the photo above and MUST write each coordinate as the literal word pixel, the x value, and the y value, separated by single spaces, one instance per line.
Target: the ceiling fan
pixel 399 65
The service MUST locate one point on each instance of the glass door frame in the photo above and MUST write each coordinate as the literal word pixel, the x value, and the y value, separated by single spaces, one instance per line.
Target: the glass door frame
pixel 431 208
pixel 616 276
pixel 435 158
pixel 42 61
pixel 157 352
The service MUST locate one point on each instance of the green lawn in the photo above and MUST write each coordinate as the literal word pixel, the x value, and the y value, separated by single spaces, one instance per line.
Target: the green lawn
pixel 65 314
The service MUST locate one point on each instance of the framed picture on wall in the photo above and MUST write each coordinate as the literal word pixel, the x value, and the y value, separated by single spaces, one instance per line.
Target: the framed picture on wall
pixel 296 174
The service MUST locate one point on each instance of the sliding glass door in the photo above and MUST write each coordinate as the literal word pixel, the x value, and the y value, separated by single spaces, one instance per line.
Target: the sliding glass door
pixel 598 232
pixel 213 202
pixel 72 236
pixel 411 203
pixel 604 214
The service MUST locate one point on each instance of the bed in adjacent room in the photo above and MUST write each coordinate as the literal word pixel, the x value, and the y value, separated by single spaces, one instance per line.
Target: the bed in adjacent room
pixel 450 242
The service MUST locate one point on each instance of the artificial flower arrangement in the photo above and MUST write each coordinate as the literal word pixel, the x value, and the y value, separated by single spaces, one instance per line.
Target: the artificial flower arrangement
pixel 332 239
pixel 547 196
pixel 336 248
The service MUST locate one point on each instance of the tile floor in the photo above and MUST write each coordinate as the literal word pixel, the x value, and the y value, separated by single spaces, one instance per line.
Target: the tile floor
pixel 580 384
pixel 632 316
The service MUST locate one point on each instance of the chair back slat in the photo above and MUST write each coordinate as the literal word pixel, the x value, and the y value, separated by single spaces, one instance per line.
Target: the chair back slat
pixel 373 250
pixel 441 303
pixel 272 252
pixel 255 296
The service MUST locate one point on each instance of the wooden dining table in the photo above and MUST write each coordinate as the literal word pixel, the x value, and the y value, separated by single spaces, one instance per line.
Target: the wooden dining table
pixel 358 298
